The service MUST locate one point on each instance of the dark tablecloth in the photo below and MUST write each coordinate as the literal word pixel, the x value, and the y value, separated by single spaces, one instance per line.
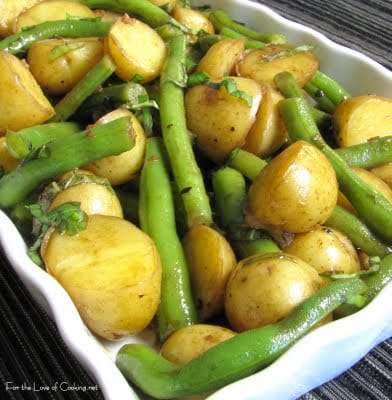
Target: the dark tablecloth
pixel 33 353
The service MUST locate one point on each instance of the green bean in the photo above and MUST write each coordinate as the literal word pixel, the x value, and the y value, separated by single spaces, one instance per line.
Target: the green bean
pixel 361 236
pixel 220 19
pixel 235 358
pixel 64 154
pixel 249 44
pixel 319 97
pixel 377 281
pixel 187 174
pixel 230 189
pixel 247 163
pixel 332 89
pixel 289 87
pixel 373 209
pixel 157 219
pixel 368 155
pixel 19 43
pixel 22 142
pixel 68 105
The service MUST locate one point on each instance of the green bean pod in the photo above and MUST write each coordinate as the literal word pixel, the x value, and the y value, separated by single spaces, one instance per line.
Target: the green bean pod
pixel 19 43
pixel 374 210
pixel 235 358
pixel 157 219
pixel 64 154
pixel 186 171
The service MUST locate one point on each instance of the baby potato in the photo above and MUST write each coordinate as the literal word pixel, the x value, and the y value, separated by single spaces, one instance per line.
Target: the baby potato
pixel 136 49
pixel 51 10
pixel 168 5
pixel 264 63
pixel 112 272
pixel 7 161
pixel 22 102
pixel 296 191
pixel 384 172
pixel 326 250
pixel 372 180
pixel 264 289
pixel 219 120
pixel 193 19
pixel 268 133
pixel 361 118
pixel 210 260
pixel 220 59
pixel 94 197
pixel 123 167
pixel 9 11
pixel 189 342
pixel 57 74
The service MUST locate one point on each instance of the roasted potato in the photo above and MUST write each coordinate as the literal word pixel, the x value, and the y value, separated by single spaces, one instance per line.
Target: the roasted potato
pixel 193 19
pixel 361 118
pixel 384 172
pixel 59 64
pixel 136 49
pixel 219 120
pixel 112 272
pixel 210 260
pixel 7 161
pixel 189 342
pixel 264 289
pixel 295 192
pixel 50 10
pixel 264 63
pixel 22 102
pixel 123 167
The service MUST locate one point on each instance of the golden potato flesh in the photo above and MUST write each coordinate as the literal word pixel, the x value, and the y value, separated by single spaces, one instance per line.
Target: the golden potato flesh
pixel 7 161
pixel 296 191
pixel 268 133
pixel 264 63
pixel 384 172
pixel 325 249
pixel 210 260
pixel 189 342
pixel 221 121
pixel 136 49
pixel 112 272
pixel 220 59
pixel 264 289
pixel 123 167
pixel 51 11
pixel 9 11
pixel 22 102
pixel 193 19
pixel 57 74
pixel 362 118
pixel 373 181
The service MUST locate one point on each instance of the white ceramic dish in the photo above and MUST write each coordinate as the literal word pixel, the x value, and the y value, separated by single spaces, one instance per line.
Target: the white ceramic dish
pixel 318 357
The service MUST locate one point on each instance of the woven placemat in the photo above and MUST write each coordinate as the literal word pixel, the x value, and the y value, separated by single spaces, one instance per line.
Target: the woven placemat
pixel 33 355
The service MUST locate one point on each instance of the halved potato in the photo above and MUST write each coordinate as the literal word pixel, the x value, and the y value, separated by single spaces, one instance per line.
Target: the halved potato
pixel 189 342
pixel 123 167
pixel 22 102
pixel 264 63
pixel 193 19
pixel 51 10
pixel 221 58
pixel 362 118
pixel 136 49
pixel 219 120
pixel 210 260
pixel 268 133
pixel 384 172
pixel 9 11
pixel 7 161
pixel 59 73
pixel 112 272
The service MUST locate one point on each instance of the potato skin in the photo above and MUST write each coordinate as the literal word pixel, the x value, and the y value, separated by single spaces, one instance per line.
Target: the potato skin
pixel 61 74
pixel 296 191
pixel 112 272
pixel 264 289
pixel 22 102
pixel 189 342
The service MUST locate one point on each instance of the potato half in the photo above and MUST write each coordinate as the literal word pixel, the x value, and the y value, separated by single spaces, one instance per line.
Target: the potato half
pixel 22 102
pixel 112 272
